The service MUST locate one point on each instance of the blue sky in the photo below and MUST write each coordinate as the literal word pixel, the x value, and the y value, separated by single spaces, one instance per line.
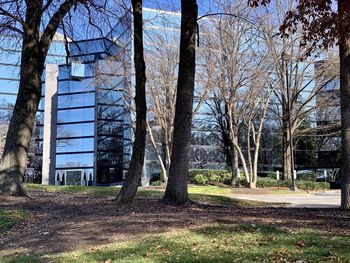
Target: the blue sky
pixel 204 6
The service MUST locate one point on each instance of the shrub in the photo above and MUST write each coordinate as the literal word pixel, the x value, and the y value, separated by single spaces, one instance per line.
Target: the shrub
pixel 157 179
pixel 200 179
pixel 155 183
pixel 213 176
pixel 304 185
pixel 307 177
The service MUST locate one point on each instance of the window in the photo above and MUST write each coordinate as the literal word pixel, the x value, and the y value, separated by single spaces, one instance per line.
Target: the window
pixel 72 86
pixel 9 86
pixel 7 101
pixel 75 130
pixel 110 113
pixel 9 72
pixel 78 69
pixel 76 100
pixel 110 128
pixel 74 160
pixel 110 97
pixel 75 145
pixel 110 143
pixel 75 115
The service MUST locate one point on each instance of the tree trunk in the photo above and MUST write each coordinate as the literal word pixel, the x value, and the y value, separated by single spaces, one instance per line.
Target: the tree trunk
pixel 176 191
pixel 234 167
pixel 133 177
pixel 14 158
pixel 344 52
pixel 286 153
pixel 34 51
pixel 159 157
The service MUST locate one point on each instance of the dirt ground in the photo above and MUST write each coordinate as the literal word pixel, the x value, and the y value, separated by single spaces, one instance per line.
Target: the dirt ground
pixel 65 222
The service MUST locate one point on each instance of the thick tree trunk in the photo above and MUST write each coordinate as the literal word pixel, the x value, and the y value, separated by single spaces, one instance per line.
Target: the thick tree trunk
pixel 344 52
pixel 34 51
pixel 176 191
pixel 14 159
pixel 133 177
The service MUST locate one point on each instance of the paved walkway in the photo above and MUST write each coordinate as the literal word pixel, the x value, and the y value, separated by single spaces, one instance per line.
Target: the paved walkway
pixel 325 199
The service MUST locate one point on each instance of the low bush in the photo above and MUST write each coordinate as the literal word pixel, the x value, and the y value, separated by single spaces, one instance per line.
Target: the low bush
pixel 307 177
pixel 304 185
pixel 206 176
pixel 211 176
pixel 200 179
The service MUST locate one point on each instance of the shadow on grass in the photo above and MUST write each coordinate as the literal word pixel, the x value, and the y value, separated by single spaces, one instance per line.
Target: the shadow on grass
pixel 144 193
pixel 219 243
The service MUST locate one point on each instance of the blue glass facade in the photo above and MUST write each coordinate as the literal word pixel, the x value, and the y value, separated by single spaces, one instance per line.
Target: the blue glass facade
pixel 89 128
pixel 93 124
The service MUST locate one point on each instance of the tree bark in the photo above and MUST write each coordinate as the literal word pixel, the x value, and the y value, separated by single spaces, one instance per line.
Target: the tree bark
pixel 34 50
pixel 286 165
pixel 133 177
pixel 159 157
pixel 234 167
pixel 176 191
pixel 344 53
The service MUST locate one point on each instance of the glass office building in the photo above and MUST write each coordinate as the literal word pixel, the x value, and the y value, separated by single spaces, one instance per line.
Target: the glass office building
pixel 83 133
pixel 93 127
pixel 83 126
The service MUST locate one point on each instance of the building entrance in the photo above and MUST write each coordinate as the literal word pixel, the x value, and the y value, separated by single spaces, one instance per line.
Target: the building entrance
pixel 74 177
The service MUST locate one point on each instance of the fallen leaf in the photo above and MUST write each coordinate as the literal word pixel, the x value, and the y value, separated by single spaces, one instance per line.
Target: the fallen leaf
pixel 299 244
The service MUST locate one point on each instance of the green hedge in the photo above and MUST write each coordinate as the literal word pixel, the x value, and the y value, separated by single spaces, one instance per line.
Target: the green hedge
pixel 304 185
pixel 209 176
pixel 203 177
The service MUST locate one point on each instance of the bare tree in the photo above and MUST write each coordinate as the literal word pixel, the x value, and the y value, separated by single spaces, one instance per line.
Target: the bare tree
pixel 176 191
pixel 25 18
pixel 133 177
pixel 239 65
pixel 162 59
pixel 332 28
pixel 297 76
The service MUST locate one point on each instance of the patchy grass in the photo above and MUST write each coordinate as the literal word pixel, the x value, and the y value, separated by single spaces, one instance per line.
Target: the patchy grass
pixel 218 243
pixel 203 194
pixel 11 217
pixel 209 190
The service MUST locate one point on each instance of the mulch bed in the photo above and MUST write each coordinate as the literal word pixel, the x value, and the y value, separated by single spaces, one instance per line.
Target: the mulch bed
pixel 66 222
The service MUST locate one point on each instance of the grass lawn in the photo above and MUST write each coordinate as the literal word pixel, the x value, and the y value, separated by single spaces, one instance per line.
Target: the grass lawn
pixel 204 194
pixel 217 243
pixel 10 217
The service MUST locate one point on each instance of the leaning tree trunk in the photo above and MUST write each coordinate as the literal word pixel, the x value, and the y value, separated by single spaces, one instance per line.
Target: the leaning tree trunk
pixel 176 190
pixel 344 52
pixel 133 177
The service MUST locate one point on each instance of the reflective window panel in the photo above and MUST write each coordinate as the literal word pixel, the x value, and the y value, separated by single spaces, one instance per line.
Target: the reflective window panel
pixel 75 130
pixel 9 86
pixel 76 100
pixel 75 115
pixel 75 145
pixel 74 160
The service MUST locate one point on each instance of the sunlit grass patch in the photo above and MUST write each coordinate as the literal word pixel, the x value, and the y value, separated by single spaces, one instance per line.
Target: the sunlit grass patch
pixel 220 243
pixel 11 217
